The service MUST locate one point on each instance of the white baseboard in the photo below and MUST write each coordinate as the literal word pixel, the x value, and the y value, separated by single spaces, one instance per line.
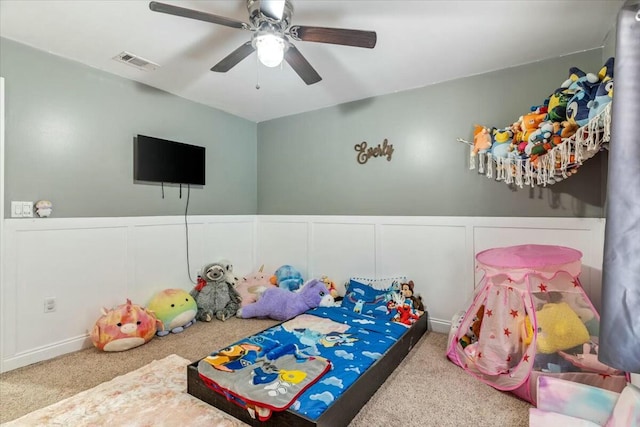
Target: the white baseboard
pixel 45 353
pixel 439 326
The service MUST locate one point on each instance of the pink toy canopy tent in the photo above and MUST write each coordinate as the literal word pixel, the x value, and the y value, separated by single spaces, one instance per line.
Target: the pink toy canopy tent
pixel 530 317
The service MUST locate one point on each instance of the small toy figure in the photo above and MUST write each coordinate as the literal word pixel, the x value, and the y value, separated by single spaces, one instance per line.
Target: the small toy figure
pixel 407 292
pixel 44 208
pixel 331 286
pixel 405 314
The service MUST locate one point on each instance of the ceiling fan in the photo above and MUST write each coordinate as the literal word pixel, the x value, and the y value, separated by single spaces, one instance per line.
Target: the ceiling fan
pixel 270 22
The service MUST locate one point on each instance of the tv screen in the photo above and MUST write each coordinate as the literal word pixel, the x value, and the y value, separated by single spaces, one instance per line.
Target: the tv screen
pixel 160 160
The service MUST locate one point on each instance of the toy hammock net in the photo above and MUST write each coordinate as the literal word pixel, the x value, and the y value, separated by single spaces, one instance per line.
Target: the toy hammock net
pixel 551 142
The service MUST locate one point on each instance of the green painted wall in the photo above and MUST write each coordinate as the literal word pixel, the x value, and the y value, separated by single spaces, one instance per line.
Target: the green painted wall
pixel 69 139
pixel 69 133
pixel 307 162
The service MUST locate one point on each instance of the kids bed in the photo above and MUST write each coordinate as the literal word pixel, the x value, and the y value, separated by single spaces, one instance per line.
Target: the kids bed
pixel 317 369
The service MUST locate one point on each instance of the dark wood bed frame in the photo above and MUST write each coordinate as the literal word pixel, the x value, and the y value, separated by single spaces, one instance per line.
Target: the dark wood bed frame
pixel 342 411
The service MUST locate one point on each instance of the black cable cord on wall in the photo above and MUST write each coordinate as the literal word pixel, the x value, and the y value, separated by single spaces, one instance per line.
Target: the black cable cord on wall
pixel 186 227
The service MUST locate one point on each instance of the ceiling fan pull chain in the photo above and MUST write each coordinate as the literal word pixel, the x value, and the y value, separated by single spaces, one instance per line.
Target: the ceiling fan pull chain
pixel 257 73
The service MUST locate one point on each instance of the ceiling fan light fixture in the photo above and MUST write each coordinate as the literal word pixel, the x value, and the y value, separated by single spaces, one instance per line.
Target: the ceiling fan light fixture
pixel 270 49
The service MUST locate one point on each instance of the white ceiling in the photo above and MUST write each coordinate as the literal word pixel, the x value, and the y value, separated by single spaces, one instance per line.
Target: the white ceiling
pixel 419 43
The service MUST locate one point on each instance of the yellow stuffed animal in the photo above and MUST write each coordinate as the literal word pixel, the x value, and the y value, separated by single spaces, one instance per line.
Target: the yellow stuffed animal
pixel 559 328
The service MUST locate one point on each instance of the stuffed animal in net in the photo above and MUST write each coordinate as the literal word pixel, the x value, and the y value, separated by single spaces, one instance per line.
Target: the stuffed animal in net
pixel 481 140
pixel 175 309
pixel 123 327
pixel 287 277
pixel 215 293
pixel 281 304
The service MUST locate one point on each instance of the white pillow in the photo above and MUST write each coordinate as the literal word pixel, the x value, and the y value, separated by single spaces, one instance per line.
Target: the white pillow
pixel 382 284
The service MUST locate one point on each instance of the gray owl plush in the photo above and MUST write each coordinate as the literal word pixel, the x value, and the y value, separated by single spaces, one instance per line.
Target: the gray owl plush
pixel 215 293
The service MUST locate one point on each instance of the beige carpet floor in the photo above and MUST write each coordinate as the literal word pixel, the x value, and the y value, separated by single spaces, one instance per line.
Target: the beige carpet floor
pixel 425 390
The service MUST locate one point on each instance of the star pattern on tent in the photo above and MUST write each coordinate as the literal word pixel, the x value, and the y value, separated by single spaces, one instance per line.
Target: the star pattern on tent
pixel 509 358
pixel 514 313
pixel 526 358
pixel 489 313
pixel 542 287
pixel 510 288
pixel 507 332
pixel 576 284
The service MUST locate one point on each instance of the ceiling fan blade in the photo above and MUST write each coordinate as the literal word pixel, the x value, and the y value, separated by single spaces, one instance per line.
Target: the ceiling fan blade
pixel 356 38
pixel 233 58
pixel 301 66
pixel 194 14
pixel 272 8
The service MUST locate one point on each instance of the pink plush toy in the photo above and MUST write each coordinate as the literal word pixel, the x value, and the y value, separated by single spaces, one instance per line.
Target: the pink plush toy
pixel 124 327
pixel 281 304
pixel 252 286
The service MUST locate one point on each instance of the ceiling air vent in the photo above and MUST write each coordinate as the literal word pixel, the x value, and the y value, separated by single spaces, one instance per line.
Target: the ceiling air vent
pixel 136 61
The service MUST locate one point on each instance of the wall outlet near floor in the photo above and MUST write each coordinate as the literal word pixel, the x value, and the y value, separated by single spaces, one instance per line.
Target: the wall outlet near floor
pixel 49 305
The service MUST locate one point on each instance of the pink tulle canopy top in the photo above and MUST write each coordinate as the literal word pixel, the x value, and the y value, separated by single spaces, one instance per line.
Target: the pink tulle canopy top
pixel 528 256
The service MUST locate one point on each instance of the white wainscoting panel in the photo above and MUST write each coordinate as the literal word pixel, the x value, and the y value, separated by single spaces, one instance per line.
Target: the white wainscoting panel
pixel 433 256
pixel 284 242
pixel 81 268
pixel 341 250
pixel 90 263
pixel 229 240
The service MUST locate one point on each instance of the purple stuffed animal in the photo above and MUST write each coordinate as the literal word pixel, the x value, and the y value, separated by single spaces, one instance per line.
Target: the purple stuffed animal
pixel 281 304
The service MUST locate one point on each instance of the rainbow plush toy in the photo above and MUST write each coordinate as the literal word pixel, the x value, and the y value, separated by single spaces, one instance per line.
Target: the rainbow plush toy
pixel 124 327
pixel 175 309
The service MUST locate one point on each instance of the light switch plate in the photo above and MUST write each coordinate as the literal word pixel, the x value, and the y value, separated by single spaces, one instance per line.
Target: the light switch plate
pixel 21 209
pixel 16 209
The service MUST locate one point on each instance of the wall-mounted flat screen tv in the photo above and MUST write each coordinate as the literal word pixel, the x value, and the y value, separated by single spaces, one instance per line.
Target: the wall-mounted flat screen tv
pixel 160 160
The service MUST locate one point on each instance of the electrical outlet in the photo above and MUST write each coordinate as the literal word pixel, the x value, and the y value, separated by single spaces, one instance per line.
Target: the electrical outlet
pixel 49 305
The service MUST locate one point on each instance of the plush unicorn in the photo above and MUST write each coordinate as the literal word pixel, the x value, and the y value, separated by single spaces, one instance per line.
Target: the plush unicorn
pixel 124 327
pixel 281 304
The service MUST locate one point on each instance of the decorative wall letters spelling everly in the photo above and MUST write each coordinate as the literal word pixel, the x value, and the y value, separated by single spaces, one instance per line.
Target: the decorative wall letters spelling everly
pixel 364 153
